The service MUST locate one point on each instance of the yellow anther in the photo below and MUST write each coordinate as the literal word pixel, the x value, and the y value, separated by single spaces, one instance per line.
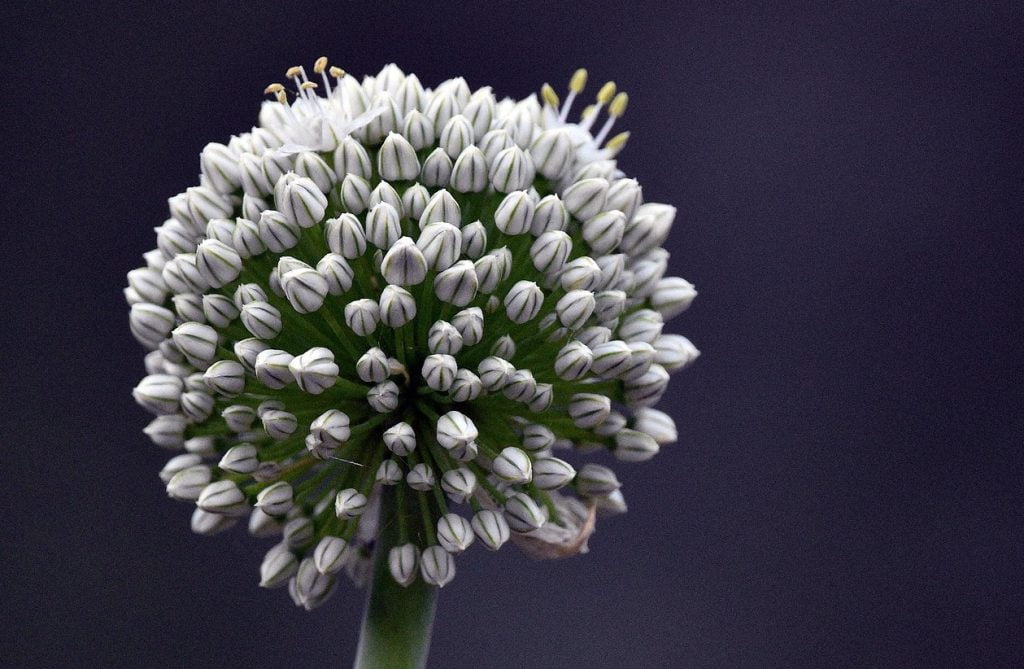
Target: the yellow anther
pixel 307 85
pixel 578 81
pixel 618 141
pixel 618 106
pixel 273 88
pixel 589 110
pixel 320 65
pixel 293 72
pixel 549 95
pixel 606 93
pixel 282 97
pixel 336 72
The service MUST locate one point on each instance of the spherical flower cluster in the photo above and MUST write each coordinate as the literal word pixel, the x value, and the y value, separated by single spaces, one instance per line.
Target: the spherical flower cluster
pixel 384 285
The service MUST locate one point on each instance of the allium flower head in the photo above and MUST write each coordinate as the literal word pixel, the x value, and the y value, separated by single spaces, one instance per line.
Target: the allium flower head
pixel 384 285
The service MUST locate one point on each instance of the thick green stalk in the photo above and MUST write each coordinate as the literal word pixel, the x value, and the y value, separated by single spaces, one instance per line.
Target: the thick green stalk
pixel 397 621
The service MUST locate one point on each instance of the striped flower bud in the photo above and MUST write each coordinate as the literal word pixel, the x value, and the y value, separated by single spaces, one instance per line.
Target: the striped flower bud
pixel 491 527
pixel 240 459
pixel 159 393
pixel 466 386
pixel 315 370
pixel 372 366
pixel 403 562
pixel 515 213
pixel 396 160
pixel 596 480
pixel 400 439
pixel 437 566
pixel 349 503
pixel 404 264
pixel 420 477
pixel 588 410
pixel 383 397
pixel 457 285
pixel 552 473
pixel 187 484
pixel 522 513
pixel 279 424
pixel 362 316
pixel 672 296
pixel 276 499
pixel 273 368
pixel 279 565
pixel 167 431
pixel 439 371
pixel 674 352
pixel 222 497
pixel 469 172
pixel 389 473
pixel 440 244
pixel 523 301
pixel 513 465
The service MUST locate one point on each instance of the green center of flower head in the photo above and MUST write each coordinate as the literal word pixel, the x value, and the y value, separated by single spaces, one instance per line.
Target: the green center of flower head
pixel 387 285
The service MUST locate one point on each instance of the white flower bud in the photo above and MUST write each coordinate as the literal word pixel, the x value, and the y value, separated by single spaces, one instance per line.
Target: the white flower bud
pixel 626 196
pixel 456 135
pixel 298 531
pixel 457 285
pixel 246 350
pixel 646 390
pixel 220 166
pixel 329 555
pixel 522 513
pixel 609 305
pixel 217 262
pixel 400 439
pixel 550 251
pixel 523 301
pixel 658 424
pixel 455 429
pixel 252 175
pixel 249 292
pixel 440 244
pixel 246 238
pixel 488 272
pixel 402 563
pixel 240 459
pixel 279 565
pixel 372 366
pixel 634 446
pixel 238 417
pixel 611 359
pixel 159 393
pixel 148 283
pixel 420 477
pixel 349 503
pixel 513 465
pixel 454 533
pixel 573 361
pixel 537 437
pixel 397 306
pixel 594 335
pixel 336 272
pixel 494 142
pixel 150 324
pixel 396 160
pixel 385 192
pixel 437 566
pixel 219 310
pixel 262 525
pixel 305 288
pixel 173 238
pixel 187 484
pixel 672 296
pixel 277 232
pixel 315 370
pixel 197 405
pixel 389 473
pixel 345 236
pixel 641 355
pixel 521 386
pixel 643 325
pixel 279 424
pixel 511 170
pixel 458 484
pixel 612 267
pixel 404 264
pixel 439 371
pixel 542 398
pixel 382 226
pixel 189 307
pixel 442 208
pixel 300 200
pixel 207 523
pixel 466 387
pixel 331 427
pixel 273 368
pixel 444 338
pixel 552 152
pixel 223 497
pixel 351 158
pixel 595 480
pixel 586 198
pixel 470 325
pixel 504 347
pixel 275 499
pixel 552 473
pixel 182 276
pixel 588 410
pixel 648 229
pixel 466 452
pixel 419 130
pixel 479 111
pixel 167 431
pixel 491 527
pixel 494 372
pixel 437 169
pixel 179 463
pixel 514 214
pixel 414 201
pixel 580 274
pixel 469 173
pixel 674 352
pixel 549 215
pixel 362 316
pixel 383 397
pixel 311 166
pixel 603 232
pixel 277 164
pixel 354 194
pixel 204 204
pixel 575 307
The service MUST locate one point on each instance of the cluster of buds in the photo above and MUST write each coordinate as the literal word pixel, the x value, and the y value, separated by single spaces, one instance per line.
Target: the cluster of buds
pixel 385 285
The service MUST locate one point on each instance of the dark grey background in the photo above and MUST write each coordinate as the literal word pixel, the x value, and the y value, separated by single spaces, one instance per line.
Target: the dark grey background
pixel 847 490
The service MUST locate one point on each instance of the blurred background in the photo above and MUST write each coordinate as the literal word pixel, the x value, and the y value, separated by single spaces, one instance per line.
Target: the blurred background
pixel 848 485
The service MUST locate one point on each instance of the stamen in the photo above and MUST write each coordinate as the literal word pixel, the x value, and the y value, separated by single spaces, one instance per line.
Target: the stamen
pixel 320 67
pixel 549 95
pixel 604 96
pixel 274 88
pixel 616 109
pixel 617 143
pixel 576 85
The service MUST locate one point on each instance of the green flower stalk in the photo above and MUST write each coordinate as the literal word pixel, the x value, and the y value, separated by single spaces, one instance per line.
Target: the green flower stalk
pixel 395 320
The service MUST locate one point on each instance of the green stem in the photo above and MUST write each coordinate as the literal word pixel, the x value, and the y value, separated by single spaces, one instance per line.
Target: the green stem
pixel 397 621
